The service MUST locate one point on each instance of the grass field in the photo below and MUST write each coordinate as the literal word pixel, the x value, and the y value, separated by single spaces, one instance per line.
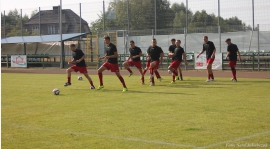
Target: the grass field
pixel 188 114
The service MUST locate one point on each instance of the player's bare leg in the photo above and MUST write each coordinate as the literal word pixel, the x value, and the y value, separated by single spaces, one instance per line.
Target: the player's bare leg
pixel 174 73
pixel 157 75
pixel 210 73
pixel 126 65
pixel 142 75
pixel 122 81
pixel 180 73
pixel 90 81
pixel 151 77
pixel 100 76
pixel 234 74
pixel 69 70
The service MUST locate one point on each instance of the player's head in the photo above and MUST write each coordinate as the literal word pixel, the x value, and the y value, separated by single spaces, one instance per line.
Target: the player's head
pixel 107 39
pixel 228 41
pixel 132 43
pixel 154 42
pixel 72 47
pixel 173 41
pixel 205 39
pixel 178 42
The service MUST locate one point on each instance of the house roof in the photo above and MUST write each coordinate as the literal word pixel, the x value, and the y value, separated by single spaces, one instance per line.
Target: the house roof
pixel 44 38
pixel 51 16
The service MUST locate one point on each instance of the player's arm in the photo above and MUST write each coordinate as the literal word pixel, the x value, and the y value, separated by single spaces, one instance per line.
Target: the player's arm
pixel 239 55
pixel 161 57
pixel 213 54
pixel 101 58
pixel 70 62
pixel 129 57
pixel 115 55
pixel 185 58
pixel 200 53
pixel 228 54
pixel 79 60
pixel 136 56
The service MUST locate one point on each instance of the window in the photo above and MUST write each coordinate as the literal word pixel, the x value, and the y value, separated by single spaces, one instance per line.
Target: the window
pixel 34 29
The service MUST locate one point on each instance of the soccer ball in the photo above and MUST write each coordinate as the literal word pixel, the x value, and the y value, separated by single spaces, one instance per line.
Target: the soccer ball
pixel 79 77
pixel 56 91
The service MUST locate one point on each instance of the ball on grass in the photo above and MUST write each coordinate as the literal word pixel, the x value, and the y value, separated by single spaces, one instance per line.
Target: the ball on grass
pixel 56 91
pixel 79 77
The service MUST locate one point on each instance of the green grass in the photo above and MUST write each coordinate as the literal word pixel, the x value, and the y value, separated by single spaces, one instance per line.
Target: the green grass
pixel 188 114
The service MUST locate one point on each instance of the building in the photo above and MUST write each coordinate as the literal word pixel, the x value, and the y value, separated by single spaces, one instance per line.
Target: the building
pixel 49 22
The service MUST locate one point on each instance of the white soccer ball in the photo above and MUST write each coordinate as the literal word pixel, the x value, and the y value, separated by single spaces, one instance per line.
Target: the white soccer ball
pixel 79 77
pixel 56 91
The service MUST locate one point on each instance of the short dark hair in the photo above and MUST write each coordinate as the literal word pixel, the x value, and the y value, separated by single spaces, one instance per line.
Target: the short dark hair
pixel 179 40
pixel 172 39
pixel 154 39
pixel 107 37
pixel 228 39
pixel 205 37
pixel 132 41
pixel 72 45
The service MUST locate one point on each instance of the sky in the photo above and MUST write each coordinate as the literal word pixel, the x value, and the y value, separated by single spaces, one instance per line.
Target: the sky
pixel 91 8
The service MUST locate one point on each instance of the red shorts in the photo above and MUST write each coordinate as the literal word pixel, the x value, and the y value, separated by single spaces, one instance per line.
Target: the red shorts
pixel 80 69
pixel 157 64
pixel 232 63
pixel 137 64
pixel 147 64
pixel 210 60
pixel 112 67
pixel 175 64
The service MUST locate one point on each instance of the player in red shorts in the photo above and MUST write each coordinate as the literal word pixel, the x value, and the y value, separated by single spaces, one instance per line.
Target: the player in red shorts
pixel 155 53
pixel 171 50
pixel 210 49
pixel 78 58
pixel 111 63
pixel 177 57
pixel 232 50
pixel 135 54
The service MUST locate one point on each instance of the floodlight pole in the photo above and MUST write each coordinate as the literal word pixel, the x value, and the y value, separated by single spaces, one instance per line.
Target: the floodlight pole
pixel 155 17
pixel 219 28
pixel 4 25
pixel 39 29
pixel 21 24
pixel 61 40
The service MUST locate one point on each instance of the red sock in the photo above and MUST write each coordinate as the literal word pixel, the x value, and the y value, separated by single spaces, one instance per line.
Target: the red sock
pixel 157 74
pixel 122 81
pixel 68 79
pixel 212 76
pixel 173 77
pixel 129 70
pixel 234 74
pixel 209 75
pixel 144 71
pixel 153 80
pixel 151 71
pixel 100 79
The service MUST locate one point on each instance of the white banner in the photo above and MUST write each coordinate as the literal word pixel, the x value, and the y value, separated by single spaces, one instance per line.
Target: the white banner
pixel 200 63
pixel 18 61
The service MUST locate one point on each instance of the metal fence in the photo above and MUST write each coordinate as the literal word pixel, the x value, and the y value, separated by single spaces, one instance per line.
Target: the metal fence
pixel 246 22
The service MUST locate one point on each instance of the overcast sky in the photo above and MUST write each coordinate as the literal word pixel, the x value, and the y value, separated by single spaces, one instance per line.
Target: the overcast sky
pixel 90 8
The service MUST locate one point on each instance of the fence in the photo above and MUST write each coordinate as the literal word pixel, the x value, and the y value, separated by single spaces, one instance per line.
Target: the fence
pixel 246 22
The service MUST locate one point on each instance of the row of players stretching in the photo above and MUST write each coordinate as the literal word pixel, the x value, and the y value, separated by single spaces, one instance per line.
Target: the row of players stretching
pixel 154 59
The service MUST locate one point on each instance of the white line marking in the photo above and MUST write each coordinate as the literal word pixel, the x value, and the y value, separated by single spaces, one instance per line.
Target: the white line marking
pixel 234 140
pixel 101 136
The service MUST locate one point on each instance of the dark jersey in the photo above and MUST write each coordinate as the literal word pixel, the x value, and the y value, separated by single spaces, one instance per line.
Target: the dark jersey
pixel 178 52
pixel 154 52
pixel 135 51
pixel 209 48
pixel 77 54
pixel 110 49
pixel 232 48
pixel 172 48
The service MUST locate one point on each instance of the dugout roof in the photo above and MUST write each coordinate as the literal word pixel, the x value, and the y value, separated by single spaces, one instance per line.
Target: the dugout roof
pixel 43 38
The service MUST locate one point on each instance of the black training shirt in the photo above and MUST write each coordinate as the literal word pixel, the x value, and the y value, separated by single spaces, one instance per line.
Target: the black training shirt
pixel 110 49
pixel 209 48
pixel 77 54
pixel 172 48
pixel 154 52
pixel 232 48
pixel 135 51
pixel 178 52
